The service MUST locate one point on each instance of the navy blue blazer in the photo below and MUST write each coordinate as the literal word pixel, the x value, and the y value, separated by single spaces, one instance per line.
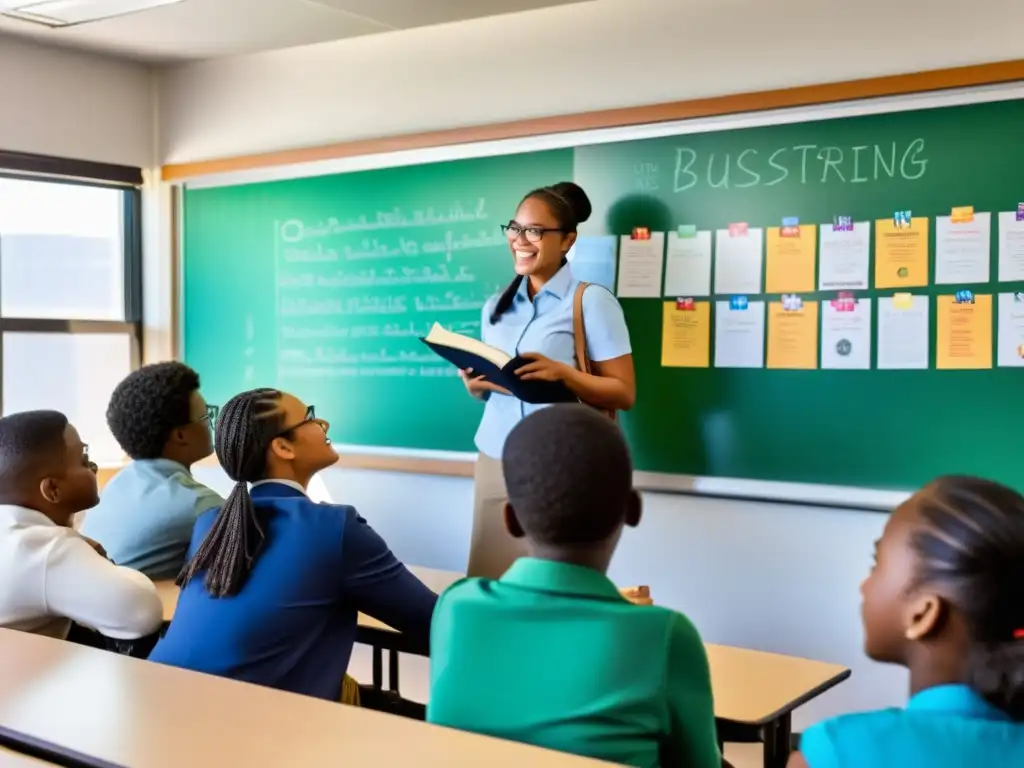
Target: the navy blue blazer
pixel 293 623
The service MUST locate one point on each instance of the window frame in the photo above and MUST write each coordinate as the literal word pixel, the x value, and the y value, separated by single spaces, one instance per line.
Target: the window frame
pixel 122 179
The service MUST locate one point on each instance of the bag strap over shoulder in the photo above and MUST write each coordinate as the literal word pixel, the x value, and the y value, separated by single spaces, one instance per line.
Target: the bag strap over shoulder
pixel 579 334
pixel 579 329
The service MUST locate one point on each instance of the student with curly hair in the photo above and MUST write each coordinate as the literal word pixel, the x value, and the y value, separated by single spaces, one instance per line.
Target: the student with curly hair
pixel 147 511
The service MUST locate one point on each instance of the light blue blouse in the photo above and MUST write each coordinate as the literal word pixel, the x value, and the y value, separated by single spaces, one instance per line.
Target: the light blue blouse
pixel 949 726
pixel 544 325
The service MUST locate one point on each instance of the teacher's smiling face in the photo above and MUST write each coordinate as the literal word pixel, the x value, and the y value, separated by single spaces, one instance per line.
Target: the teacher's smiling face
pixel 537 239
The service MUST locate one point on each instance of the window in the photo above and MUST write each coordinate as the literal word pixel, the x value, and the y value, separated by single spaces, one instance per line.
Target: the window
pixel 70 372
pixel 70 299
pixel 61 251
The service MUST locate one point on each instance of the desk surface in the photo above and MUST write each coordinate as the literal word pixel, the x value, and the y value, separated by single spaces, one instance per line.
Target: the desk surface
pixel 10 759
pixel 751 687
pixel 136 713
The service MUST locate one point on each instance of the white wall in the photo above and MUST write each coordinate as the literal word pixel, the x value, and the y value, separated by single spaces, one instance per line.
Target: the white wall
pixel 608 53
pixel 772 576
pixel 77 105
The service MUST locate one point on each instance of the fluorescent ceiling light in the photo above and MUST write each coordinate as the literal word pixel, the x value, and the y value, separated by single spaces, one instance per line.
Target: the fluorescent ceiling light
pixel 64 13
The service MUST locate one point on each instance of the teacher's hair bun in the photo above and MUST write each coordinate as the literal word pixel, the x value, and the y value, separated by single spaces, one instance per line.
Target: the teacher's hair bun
pixel 576 197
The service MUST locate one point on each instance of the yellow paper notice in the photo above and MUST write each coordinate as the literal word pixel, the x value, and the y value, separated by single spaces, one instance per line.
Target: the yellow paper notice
pixel 964 333
pixel 789 261
pixel 793 336
pixel 686 335
pixel 901 255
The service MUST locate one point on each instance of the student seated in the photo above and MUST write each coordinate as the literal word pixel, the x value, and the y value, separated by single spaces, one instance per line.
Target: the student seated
pixel 49 574
pixel 147 511
pixel 275 581
pixel 551 653
pixel 945 599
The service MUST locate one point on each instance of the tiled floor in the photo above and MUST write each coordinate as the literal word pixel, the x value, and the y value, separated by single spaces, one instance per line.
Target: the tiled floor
pixel 414 679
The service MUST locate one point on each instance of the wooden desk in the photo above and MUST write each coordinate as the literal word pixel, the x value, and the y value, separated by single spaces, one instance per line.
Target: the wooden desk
pixel 752 689
pixel 11 759
pixel 128 712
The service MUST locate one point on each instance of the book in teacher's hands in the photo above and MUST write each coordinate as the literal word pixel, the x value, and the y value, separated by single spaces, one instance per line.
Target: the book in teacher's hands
pixel 495 366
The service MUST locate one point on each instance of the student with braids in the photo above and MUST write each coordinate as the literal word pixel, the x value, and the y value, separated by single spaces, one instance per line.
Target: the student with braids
pixel 537 316
pixel 945 599
pixel 274 581
pixel 551 654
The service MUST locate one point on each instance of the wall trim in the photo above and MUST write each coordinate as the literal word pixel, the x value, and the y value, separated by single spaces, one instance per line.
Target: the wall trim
pixel 802 96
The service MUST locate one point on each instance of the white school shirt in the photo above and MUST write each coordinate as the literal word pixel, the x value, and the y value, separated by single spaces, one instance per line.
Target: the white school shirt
pixel 50 576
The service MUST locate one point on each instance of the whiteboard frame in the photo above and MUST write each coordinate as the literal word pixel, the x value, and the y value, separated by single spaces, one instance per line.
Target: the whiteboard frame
pixel 844 497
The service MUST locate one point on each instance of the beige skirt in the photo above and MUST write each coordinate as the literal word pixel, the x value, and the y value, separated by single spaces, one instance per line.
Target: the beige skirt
pixel 492 549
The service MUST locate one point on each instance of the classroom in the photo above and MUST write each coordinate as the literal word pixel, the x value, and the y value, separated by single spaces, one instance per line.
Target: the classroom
pixel 288 193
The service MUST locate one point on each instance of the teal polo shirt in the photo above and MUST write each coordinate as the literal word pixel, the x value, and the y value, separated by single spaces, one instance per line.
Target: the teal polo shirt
pixel 949 726
pixel 551 654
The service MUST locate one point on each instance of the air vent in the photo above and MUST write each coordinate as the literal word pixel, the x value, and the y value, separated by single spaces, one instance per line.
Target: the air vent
pixel 65 13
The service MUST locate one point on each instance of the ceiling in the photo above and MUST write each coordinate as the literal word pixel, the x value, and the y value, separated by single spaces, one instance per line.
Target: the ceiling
pixel 203 29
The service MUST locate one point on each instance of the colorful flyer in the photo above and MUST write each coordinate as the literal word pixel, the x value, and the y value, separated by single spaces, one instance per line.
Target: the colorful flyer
pixel 739 333
pixel 963 332
pixel 1010 342
pixel 686 334
pixel 790 259
pixel 903 338
pixel 901 254
pixel 793 336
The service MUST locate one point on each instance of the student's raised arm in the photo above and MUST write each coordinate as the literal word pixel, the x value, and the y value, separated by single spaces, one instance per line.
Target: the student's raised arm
pixel 380 584
pixel 85 587
pixel 693 740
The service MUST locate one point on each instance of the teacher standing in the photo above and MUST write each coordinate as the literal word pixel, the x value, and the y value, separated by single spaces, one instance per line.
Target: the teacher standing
pixel 533 317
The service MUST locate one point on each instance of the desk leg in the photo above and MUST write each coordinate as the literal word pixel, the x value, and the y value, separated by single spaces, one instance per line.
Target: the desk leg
pixel 378 668
pixel 393 671
pixel 777 738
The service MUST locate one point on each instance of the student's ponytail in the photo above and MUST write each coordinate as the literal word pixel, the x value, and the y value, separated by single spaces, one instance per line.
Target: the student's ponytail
pixel 996 672
pixel 570 207
pixel 246 425
pixel 971 551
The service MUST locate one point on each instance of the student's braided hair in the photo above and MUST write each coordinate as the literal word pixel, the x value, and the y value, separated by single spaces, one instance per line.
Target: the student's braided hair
pixel 971 551
pixel 246 426
pixel 571 207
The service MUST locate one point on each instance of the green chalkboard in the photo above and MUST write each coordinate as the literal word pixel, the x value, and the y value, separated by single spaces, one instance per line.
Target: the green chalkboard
pixel 258 313
pixel 322 287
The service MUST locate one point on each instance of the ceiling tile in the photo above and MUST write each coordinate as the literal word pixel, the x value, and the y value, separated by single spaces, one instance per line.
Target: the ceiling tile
pixel 404 14
pixel 197 29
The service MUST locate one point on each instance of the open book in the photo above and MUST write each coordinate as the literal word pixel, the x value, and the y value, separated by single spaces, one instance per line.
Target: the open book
pixel 495 366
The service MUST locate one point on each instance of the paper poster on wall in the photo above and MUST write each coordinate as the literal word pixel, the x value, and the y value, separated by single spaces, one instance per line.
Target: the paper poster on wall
pixel 592 260
pixel 903 340
pixel 962 249
pixel 789 258
pixel 844 257
pixel 846 334
pixel 901 253
pixel 739 334
pixel 1011 247
pixel 1010 336
pixel 793 335
pixel 640 262
pixel 738 260
pixel 686 334
pixel 963 338
pixel 688 264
